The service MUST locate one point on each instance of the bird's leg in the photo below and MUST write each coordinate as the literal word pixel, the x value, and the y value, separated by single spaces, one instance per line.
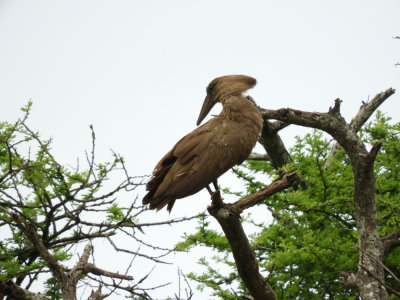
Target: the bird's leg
pixel 209 190
pixel 215 183
pixel 215 196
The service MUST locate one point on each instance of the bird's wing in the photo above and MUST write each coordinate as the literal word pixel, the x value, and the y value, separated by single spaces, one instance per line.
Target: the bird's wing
pixel 200 157
pixel 179 164
pixel 196 160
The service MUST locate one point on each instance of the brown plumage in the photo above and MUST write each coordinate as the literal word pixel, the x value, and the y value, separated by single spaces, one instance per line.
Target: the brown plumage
pixel 206 153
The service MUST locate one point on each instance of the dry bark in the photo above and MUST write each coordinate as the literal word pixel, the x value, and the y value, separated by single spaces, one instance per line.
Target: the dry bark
pixel 365 111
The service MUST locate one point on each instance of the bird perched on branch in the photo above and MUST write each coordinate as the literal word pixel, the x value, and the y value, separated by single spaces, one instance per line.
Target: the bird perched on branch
pixel 210 150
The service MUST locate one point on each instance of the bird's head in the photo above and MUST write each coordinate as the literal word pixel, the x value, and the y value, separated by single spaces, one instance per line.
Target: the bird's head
pixel 223 87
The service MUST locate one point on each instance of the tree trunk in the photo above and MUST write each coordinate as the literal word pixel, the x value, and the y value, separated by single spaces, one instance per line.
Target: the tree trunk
pixel 370 273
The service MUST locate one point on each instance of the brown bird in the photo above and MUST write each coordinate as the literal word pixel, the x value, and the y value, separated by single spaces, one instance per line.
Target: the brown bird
pixel 210 150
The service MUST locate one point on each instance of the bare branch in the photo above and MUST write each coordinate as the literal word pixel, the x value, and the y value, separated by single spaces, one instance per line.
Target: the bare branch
pixel 76 273
pixel 364 113
pixel 90 268
pixel 273 144
pixel 367 109
pixel 256 156
pixel 390 241
pixel 278 185
pixel 97 295
pixel 348 280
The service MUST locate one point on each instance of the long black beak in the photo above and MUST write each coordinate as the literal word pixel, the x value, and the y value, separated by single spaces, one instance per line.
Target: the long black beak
pixel 205 109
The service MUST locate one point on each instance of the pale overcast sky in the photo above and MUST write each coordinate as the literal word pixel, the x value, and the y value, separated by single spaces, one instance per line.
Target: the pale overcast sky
pixel 137 70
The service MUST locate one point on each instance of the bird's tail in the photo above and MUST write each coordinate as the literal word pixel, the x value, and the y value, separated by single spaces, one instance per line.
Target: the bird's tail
pixel 158 203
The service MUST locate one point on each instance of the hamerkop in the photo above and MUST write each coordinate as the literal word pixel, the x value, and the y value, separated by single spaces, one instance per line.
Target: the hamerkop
pixel 207 152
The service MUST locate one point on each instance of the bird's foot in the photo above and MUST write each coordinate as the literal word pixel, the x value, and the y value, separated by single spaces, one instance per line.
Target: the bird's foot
pixel 215 196
pixel 217 199
pixel 209 190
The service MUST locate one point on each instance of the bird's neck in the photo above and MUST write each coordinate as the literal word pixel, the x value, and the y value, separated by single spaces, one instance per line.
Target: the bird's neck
pixel 240 109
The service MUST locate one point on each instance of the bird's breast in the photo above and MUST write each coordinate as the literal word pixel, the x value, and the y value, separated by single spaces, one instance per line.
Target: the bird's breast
pixel 235 140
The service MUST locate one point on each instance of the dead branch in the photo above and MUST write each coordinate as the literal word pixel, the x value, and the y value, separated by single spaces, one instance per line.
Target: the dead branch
pixel 97 295
pixel 256 156
pixel 364 113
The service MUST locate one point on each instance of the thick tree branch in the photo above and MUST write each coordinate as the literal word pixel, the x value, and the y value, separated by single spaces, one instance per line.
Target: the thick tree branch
pixel 348 280
pixel 272 143
pixel 364 113
pixel 90 268
pixel 31 233
pixel 229 219
pixel 390 241
pixel 97 295
pixel 78 270
pixel 14 291
pixel 367 109
pixel 278 185
pixel 373 153
pixel 256 156
pixel 228 216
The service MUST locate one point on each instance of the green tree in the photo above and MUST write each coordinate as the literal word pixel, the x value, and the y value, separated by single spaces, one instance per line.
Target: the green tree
pixel 311 246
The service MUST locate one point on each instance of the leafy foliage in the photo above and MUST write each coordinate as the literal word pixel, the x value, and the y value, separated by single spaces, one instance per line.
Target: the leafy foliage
pixel 313 234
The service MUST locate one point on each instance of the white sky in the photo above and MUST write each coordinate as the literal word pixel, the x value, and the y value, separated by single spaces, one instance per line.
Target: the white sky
pixel 137 70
